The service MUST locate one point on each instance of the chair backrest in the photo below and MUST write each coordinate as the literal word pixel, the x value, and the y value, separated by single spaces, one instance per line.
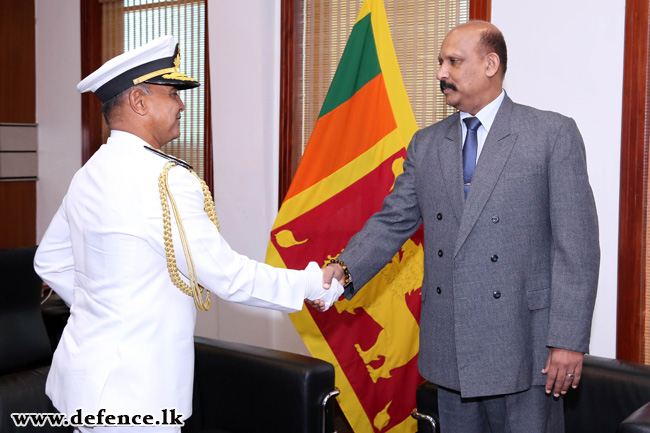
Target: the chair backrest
pixel 246 389
pixel 24 343
pixel 610 390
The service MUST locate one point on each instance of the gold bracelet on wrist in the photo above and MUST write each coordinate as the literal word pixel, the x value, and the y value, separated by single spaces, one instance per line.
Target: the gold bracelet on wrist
pixel 346 271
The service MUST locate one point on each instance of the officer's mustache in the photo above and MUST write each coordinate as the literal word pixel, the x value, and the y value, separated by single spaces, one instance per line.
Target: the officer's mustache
pixel 445 85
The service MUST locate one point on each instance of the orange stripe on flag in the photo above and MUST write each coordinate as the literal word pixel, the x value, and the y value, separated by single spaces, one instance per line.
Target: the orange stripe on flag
pixel 344 134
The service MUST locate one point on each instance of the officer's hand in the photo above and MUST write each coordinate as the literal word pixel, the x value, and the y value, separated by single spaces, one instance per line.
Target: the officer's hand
pixel 316 294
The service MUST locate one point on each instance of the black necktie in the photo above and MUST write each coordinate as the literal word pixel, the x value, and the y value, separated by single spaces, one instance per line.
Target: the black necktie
pixel 469 151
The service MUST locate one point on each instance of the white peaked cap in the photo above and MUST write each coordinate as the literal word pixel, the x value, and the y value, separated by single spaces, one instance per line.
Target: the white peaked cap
pixel 156 62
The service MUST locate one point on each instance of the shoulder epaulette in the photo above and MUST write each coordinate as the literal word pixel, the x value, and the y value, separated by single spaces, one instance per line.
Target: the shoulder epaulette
pixel 169 157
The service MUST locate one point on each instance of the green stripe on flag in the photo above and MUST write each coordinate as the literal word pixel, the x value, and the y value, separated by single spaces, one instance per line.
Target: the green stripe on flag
pixel 359 64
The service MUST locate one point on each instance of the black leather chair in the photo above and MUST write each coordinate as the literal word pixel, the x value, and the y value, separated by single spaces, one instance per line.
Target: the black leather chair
pixel 609 397
pixel 246 389
pixel 613 397
pixel 25 351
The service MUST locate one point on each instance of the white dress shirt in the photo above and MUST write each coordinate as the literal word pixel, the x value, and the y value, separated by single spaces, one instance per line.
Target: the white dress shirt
pixel 486 117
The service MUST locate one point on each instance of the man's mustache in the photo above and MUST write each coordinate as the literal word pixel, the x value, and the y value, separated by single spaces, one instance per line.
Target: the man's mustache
pixel 445 85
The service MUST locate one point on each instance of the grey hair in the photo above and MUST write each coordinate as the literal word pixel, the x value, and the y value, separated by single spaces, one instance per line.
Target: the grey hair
pixel 117 100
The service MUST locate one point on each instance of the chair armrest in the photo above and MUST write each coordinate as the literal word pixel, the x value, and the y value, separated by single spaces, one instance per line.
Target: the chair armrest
pixel 242 388
pixel 637 422
pixel 428 421
pixel 426 414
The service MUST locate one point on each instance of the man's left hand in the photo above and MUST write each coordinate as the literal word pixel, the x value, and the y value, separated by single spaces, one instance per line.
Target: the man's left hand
pixel 564 368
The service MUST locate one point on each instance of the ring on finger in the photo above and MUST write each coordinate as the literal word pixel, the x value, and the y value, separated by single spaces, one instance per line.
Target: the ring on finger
pixel 570 375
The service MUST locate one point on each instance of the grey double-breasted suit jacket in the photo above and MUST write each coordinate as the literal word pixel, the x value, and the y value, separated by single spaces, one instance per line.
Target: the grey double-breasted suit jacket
pixel 510 271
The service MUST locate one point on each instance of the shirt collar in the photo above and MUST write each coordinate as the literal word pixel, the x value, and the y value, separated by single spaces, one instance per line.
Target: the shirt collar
pixel 126 138
pixel 487 113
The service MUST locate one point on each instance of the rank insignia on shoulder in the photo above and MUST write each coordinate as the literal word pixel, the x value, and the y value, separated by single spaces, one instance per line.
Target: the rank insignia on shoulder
pixel 169 157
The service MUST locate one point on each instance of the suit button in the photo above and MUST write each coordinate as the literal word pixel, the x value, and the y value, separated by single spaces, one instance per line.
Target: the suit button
pixel 496 295
pixel 495 219
pixel 440 253
pixel 439 290
pixel 439 216
pixel 494 258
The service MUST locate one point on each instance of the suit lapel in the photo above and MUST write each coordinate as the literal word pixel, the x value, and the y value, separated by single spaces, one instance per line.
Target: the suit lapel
pixel 450 156
pixel 491 162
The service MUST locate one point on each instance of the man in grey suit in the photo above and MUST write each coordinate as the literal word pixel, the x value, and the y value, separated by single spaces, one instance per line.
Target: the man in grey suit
pixel 511 247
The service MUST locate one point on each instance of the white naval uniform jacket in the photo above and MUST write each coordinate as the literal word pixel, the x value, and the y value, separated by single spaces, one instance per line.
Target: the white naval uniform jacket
pixel 128 345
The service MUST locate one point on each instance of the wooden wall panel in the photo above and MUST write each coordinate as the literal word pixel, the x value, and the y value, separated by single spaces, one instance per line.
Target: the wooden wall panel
pixel 91 59
pixel 632 249
pixel 480 10
pixel 17 106
pixel 18 215
pixel 18 53
pixel 287 149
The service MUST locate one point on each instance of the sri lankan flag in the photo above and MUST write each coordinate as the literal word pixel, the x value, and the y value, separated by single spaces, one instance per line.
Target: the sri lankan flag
pixel 355 152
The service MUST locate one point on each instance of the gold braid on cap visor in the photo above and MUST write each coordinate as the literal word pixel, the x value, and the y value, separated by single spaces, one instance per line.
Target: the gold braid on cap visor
pixel 144 78
pixel 168 74
pixel 173 73
pixel 194 289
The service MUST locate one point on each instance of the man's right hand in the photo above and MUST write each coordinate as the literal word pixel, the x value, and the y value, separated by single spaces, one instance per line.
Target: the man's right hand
pixel 333 270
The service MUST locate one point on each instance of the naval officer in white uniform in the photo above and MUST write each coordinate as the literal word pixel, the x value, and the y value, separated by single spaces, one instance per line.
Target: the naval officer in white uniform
pixel 135 249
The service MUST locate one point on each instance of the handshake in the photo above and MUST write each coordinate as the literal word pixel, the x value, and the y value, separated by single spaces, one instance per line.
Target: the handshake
pixel 315 294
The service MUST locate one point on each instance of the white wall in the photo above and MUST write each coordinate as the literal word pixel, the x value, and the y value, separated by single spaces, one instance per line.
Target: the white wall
pixel 245 80
pixel 567 56
pixel 58 105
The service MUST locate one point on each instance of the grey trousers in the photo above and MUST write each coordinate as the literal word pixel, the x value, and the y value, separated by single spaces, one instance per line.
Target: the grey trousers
pixel 531 411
